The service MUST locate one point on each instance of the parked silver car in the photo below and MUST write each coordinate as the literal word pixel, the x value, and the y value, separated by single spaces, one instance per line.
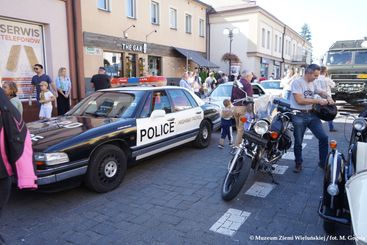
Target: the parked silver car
pixel 262 99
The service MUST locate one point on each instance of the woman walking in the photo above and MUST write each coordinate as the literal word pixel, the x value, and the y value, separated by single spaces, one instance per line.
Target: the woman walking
pixel 63 85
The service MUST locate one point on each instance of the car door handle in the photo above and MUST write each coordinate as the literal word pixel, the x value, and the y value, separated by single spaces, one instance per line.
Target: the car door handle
pixel 198 112
pixel 171 119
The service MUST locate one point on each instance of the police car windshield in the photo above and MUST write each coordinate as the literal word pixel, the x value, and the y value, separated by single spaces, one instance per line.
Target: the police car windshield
pixel 108 104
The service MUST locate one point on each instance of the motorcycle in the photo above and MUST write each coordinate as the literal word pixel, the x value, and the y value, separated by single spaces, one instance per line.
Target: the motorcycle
pixel 345 184
pixel 263 144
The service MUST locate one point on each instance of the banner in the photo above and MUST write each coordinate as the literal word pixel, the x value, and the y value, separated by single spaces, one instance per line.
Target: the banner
pixel 21 46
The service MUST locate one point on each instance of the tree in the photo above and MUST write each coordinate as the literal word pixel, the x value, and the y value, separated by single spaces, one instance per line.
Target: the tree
pixel 305 32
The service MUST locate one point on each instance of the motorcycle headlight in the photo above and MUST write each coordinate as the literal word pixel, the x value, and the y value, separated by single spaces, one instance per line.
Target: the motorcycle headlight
pixel 50 158
pixel 333 189
pixel 359 124
pixel 261 127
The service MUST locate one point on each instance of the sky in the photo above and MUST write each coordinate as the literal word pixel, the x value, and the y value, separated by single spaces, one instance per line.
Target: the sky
pixel 329 20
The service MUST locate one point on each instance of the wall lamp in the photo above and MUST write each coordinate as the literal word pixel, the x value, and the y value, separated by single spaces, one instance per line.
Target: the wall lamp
pixel 125 31
pixel 146 36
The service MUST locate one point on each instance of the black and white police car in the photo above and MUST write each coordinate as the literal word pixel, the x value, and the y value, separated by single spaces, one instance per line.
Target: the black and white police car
pixel 114 127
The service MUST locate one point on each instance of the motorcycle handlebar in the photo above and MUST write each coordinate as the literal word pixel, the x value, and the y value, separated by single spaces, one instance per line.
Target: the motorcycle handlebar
pixel 245 99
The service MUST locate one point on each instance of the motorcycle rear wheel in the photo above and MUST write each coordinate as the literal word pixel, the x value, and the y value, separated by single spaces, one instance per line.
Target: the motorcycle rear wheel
pixel 234 181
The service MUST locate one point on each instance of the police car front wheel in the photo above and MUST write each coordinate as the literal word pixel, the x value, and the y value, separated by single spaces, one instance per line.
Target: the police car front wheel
pixel 106 169
pixel 205 133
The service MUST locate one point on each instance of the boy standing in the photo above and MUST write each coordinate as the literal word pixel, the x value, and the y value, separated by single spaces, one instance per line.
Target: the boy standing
pixel 226 123
pixel 46 98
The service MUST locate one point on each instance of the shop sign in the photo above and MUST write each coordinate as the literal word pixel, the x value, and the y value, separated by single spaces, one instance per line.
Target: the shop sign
pixel 264 61
pixel 21 47
pixel 93 51
pixel 140 48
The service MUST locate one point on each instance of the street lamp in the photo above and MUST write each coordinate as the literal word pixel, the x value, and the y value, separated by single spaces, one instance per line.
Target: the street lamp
pixel 125 31
pixel 146 36
pixel 230 32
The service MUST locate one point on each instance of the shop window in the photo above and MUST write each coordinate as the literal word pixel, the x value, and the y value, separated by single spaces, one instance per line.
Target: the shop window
pixel 188 19
pixel 104 5
pixel 155 65
pixel 131 8
pixel 173 18
pixel 112 64
pixel 154 13
pixel 201 27
pixel 131 65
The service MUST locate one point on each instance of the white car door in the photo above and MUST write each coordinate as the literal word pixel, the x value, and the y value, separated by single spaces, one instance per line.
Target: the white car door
pixel 152 127
pixel 188 115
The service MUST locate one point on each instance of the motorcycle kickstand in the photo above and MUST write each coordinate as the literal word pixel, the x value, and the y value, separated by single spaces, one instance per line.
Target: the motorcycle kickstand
pixel 272 178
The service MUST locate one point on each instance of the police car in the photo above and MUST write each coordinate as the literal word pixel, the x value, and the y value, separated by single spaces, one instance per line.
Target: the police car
pixel 114 127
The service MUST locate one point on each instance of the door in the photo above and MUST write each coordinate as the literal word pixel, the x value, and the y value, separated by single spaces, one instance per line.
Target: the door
pixel 188 115
pixel 154 127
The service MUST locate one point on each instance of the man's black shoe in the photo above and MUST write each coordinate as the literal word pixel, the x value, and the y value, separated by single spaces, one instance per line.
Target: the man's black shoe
pixel 298 168
pixel 333 130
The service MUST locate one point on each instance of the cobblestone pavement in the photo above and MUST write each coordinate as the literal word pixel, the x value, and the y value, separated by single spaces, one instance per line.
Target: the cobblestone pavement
pixel 174 198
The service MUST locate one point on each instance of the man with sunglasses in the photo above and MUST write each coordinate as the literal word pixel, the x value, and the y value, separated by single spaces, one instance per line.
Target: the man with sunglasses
pixel 38 78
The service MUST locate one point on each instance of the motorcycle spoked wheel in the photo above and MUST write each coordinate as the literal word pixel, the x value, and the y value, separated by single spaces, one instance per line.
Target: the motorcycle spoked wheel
pixel 234 181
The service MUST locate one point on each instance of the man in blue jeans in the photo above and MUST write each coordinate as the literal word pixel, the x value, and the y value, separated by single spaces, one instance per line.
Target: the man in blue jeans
pixel 302 99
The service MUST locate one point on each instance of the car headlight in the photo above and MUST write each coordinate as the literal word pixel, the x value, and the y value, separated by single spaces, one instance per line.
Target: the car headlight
pixel 50 158
pixel 333 189
pixel 359 124
pixel 261 127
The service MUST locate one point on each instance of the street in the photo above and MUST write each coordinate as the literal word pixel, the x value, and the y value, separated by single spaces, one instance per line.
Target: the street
pixel 174 198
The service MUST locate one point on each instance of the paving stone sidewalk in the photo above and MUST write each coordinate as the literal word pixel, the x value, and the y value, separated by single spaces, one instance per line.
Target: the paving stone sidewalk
pixel 174 198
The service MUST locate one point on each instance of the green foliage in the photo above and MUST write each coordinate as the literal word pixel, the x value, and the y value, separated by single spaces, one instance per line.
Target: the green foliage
pixel 305 32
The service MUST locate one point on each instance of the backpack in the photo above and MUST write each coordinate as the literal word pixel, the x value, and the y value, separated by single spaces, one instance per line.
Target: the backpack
pixel 15 145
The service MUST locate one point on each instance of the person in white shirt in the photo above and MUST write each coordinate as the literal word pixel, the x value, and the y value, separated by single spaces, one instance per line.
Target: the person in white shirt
pixel 184 82
pixel 323 82
pixel 46 98
pixel 286 82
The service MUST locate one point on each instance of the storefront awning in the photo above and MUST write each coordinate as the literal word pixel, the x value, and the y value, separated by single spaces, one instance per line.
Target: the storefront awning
pixel 196 57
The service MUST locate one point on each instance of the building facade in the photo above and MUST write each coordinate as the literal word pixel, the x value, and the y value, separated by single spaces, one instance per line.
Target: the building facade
pixel 263 43
pixel 28 37
pixel 133 38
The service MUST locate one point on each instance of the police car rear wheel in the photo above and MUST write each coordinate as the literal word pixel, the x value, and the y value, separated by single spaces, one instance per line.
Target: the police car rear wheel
pixel 106 169
pixel 205 133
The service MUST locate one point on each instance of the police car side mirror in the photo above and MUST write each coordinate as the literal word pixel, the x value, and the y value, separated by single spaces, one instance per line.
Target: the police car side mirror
pixel 158 114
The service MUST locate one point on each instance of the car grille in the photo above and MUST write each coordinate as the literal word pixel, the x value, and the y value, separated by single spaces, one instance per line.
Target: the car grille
pixel 350 86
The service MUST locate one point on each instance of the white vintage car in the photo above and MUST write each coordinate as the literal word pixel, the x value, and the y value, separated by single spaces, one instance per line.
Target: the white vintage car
pixel 262 99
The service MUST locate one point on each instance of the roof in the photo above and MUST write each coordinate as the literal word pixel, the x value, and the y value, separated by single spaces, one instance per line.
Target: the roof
pixel 347 44
pixel 196 57
pixel 140 88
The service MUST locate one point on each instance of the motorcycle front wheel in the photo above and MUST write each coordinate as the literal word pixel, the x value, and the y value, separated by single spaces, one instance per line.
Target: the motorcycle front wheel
pixel 234 181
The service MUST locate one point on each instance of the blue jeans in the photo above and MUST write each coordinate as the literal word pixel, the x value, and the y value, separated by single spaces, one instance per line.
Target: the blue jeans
pixel 331 125
pixel 300 122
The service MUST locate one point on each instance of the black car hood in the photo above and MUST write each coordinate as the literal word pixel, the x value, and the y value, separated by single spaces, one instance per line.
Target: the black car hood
pixel 49 133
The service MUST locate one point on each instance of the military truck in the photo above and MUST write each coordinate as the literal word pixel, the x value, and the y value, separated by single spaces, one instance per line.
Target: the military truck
pixel 347 65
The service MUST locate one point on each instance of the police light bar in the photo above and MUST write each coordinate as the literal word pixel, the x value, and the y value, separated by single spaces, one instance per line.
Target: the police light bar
pixel 139 81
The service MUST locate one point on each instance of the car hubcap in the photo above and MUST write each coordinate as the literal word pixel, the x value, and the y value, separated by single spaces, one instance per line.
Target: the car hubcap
pixel 205 133
pixel 110 169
